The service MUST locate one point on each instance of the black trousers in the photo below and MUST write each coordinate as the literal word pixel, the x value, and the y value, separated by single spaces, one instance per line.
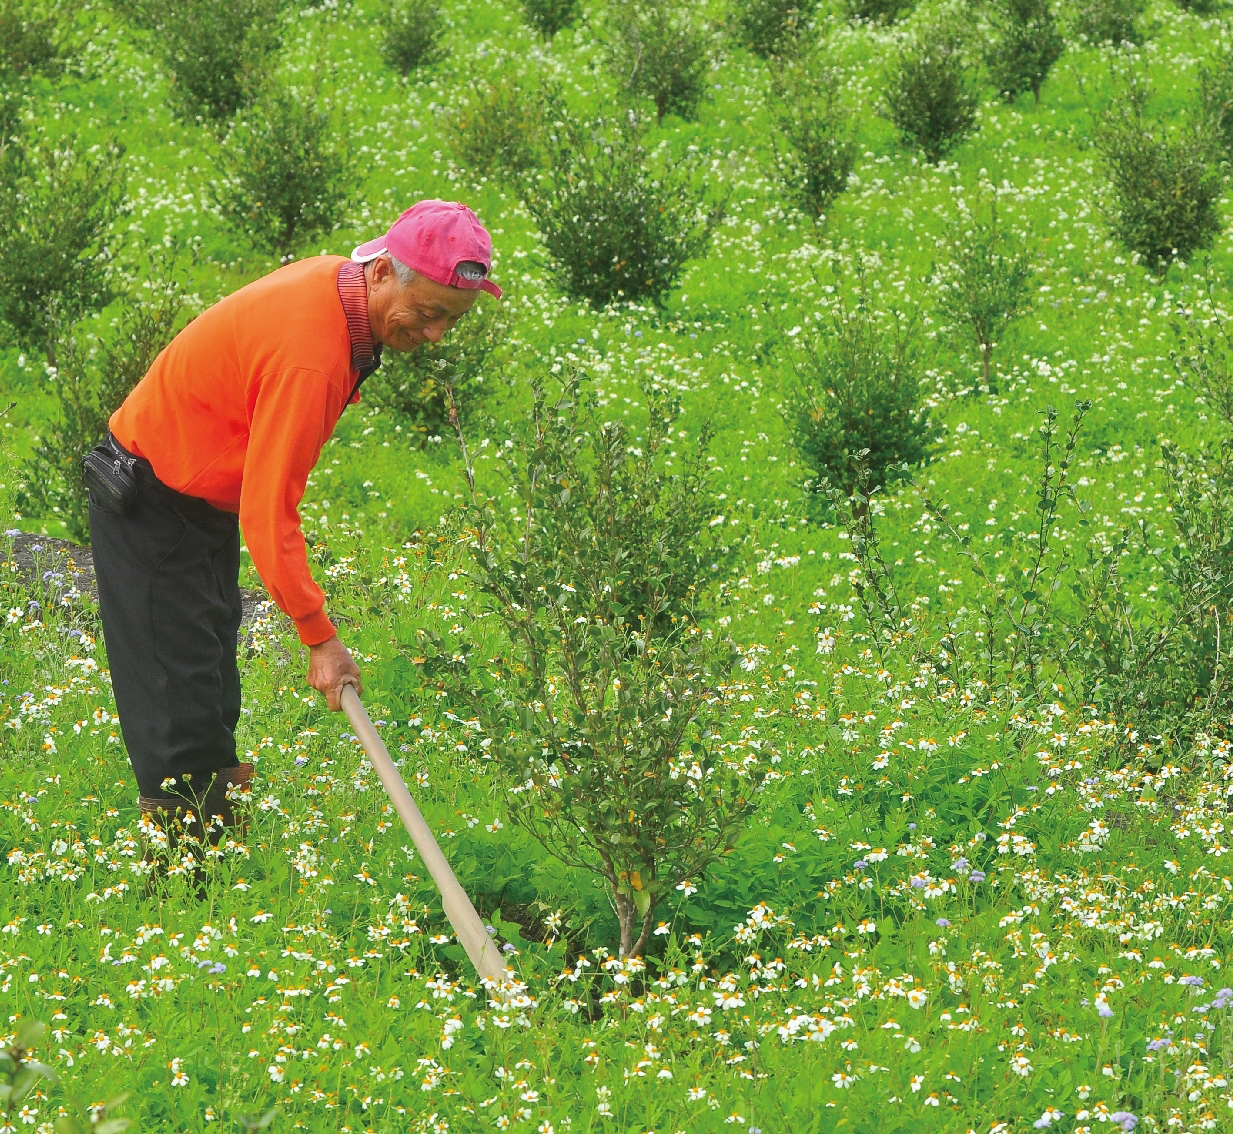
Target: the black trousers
pixel 169 594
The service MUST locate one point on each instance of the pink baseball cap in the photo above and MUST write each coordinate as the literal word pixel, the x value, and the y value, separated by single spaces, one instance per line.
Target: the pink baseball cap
pixel 442 240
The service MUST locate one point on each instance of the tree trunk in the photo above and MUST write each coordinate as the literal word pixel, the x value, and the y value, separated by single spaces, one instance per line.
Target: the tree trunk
pixel 645 935
pixel 986 361
pixel 627 915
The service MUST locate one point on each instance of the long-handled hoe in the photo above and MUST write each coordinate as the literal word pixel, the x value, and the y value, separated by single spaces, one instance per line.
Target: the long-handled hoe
pixel 480 947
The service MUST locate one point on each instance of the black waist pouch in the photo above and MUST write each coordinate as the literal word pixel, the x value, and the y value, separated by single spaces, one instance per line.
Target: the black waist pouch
pixel 108 473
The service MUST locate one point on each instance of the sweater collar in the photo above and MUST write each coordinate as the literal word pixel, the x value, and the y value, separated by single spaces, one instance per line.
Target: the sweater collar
pixel 353 292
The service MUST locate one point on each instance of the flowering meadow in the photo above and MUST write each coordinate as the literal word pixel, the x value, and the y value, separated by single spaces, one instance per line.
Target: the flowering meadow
pixel 954 905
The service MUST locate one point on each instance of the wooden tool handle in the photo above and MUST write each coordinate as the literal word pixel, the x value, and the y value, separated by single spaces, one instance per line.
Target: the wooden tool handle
pixel 468 927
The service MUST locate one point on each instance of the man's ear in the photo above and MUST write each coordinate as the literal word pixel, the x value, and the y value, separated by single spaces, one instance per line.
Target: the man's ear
pixel 379 270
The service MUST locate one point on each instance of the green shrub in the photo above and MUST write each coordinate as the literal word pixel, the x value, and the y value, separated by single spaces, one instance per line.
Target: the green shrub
pixel 658 50
pixel 1027 45
pixel 878 11
pixel 550 16
pixel 1107 21
pixel 412 386
pixel 1216 98
pixel 1164 185
pixel 287 171
pixel 218 52
pixel 613 227
pixel 815 147
pixel 412 35
pixel 57 208
pixel 496 128
pixel 984 284
pixel 604 709
pixel 34 39
pixel 855 408
pixel 931 97
pixel 91 381
pixel 772 27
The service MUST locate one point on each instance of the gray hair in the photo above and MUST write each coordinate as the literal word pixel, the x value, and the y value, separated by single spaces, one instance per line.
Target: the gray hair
pixel 405 275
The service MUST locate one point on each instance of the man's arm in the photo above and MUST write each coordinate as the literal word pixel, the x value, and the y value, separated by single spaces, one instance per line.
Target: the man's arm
pixel 287 429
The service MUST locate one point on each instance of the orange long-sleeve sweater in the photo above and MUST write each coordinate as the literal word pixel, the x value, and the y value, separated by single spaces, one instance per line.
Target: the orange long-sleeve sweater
pixel 237 408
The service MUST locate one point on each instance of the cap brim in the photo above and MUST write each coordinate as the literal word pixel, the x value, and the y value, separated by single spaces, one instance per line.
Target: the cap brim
pixel 363 253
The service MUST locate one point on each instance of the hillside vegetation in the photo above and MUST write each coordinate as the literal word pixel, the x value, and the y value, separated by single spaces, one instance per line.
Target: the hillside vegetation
pixel 801 606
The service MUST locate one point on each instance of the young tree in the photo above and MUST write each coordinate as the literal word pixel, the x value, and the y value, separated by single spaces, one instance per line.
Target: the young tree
pixel 218 52
pixel 815 146
pixel 35 39
pixel 550 16
pixel 659 51
pixel 496 127
pixel 772 27
pixel 1165 188
pixel 984 285
pixel 1216 98
pixel 412 34
pixel 57 207
pixel 288 175
pixel 856 408
pixel 1107 21
pixel 605 707
pixel 615 229
pixel 1027 45
pixel 931 97
pixel 878 11
pixel 90 383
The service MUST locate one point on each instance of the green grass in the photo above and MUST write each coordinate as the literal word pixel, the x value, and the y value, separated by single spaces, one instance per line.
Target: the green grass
pixel 332 1003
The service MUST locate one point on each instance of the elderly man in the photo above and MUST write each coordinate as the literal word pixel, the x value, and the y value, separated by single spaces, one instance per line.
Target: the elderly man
pixel 221 434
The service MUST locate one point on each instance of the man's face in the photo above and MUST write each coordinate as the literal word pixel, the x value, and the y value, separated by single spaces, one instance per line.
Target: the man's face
pixel 406 316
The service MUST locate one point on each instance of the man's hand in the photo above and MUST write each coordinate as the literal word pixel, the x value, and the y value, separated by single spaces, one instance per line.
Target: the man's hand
pixel 330 667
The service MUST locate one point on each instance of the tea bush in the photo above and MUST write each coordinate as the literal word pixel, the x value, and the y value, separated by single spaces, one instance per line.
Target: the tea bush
pixel 218 52
pixel 1164 187
pixel 496 126
pixel 57 211
pixel 287 173
pixel 1107 21
pixel 930 95
pixel 605 707
pixel 90 382
pixel 878 11
pixel 413 386
pixel 412 35
pixel 1216 99
pixel 35 39
pixel 1027 45
pixel 985 283
pixel 773 27
pixel 614 227
pixel 854 398
pixel 659 50
pixel 550 16
pixel 816 147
